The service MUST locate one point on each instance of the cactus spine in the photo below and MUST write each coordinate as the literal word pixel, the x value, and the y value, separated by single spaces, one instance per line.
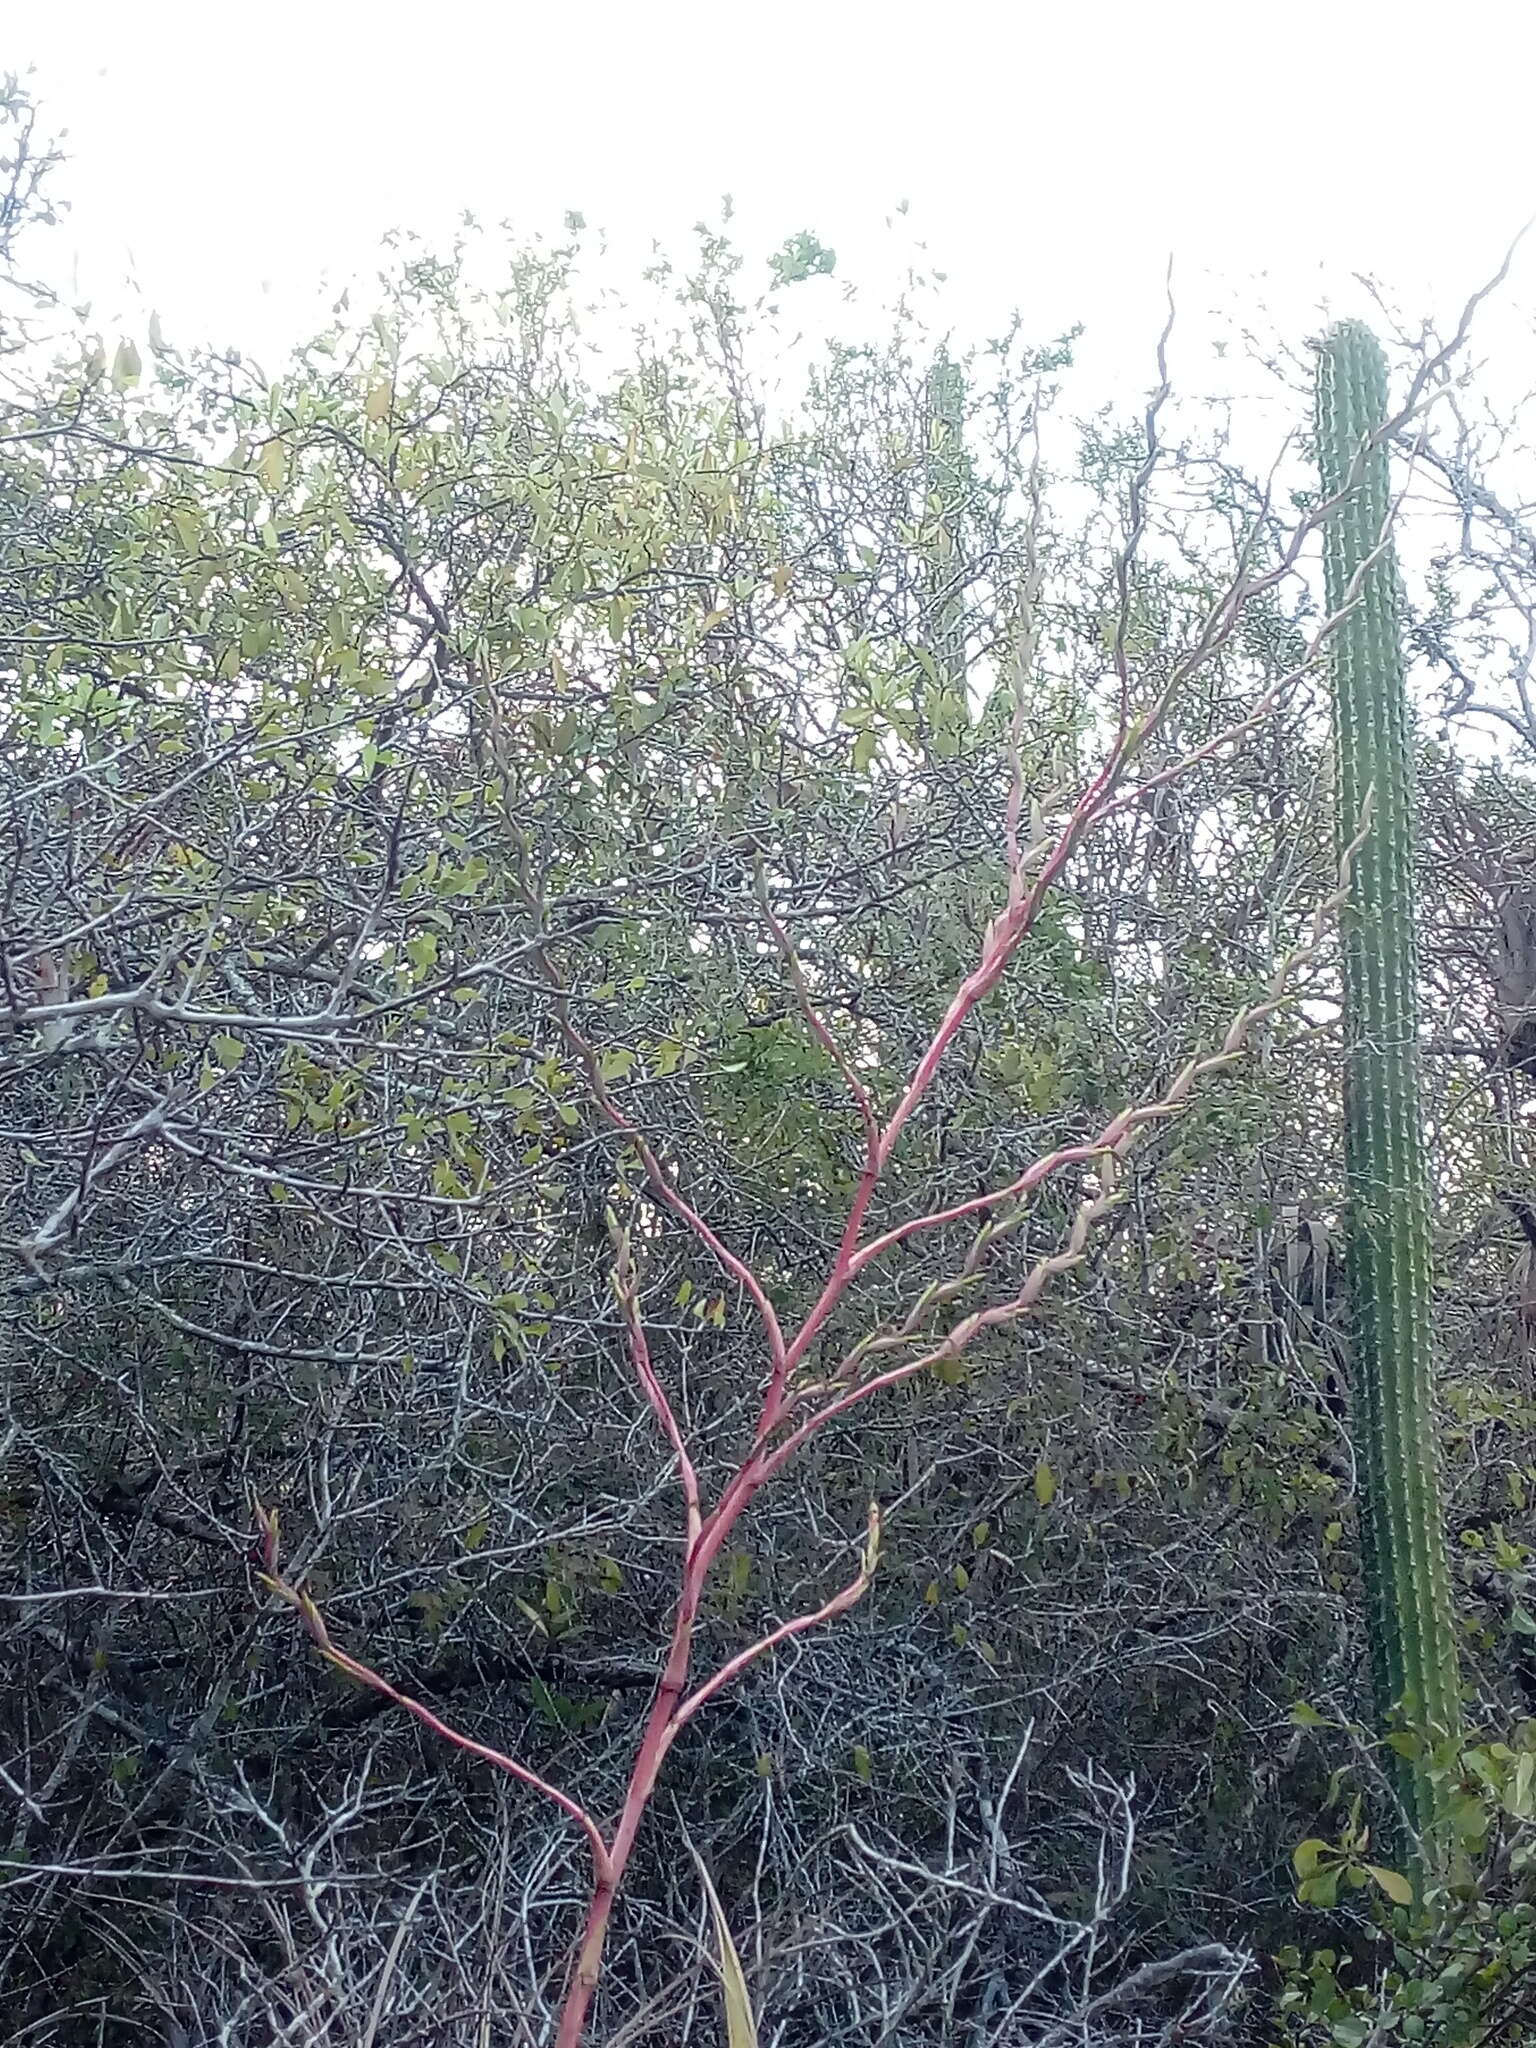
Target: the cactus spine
pixel 1407 1585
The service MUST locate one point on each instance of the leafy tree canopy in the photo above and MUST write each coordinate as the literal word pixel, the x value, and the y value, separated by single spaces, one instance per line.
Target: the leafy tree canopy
pixel 412 754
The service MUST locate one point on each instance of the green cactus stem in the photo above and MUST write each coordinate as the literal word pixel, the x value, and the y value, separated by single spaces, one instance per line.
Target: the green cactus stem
pixel 947 711
pixel 1407 1584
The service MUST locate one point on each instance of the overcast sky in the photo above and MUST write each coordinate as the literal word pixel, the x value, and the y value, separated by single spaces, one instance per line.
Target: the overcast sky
pixel 225 157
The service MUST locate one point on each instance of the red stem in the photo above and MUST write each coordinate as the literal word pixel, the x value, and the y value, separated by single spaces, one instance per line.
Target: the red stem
pixel 1003 940
pixel 314 1623
pixel 673 1706
pixel 738 1268
pixel 655 1392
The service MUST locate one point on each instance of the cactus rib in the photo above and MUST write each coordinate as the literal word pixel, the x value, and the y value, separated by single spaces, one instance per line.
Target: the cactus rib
pixel 1407 1586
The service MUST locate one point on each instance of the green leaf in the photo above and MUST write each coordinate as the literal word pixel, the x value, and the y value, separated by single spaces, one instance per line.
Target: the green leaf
pixel 1045 1484
pixel 1398 1888
pixel 740 2024
pixel 228 1051
pixel 545 1702
pixel 1470 1818
pixel 530 1613
pixel 669 1057
pixel 127 366
pixel 802 256
pixel 863 1766
pixel 1322 1887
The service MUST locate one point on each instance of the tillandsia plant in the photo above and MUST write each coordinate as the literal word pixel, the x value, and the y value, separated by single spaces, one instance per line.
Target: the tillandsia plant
pixel 810 1382
pixel 796 1404
pixel 1407 1585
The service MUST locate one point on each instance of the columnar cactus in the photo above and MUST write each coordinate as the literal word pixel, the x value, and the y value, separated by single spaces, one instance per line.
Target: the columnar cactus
pixel 1407 1584
pixel 945 699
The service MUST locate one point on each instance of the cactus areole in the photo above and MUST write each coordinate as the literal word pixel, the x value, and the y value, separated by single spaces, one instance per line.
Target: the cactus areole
pixel 1407 1583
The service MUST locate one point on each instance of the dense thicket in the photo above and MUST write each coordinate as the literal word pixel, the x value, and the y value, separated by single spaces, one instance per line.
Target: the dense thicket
pixel 343 711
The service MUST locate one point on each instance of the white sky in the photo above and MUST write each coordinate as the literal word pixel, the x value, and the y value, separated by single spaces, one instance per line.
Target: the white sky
pixel 225 156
